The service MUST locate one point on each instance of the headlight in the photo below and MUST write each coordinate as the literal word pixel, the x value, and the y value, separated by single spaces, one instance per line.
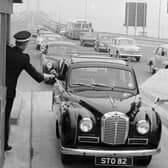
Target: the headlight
pixel 86 125
pixel 143 127
pixel 49 65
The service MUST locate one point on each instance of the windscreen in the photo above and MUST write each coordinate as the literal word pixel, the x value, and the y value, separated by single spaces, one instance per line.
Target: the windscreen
pixel 126 42
pixel 113 77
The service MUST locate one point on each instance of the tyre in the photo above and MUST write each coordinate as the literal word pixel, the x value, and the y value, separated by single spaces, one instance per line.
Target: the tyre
pixel 52 106
pixel 57 129
pixel 137 59
pixel 66 159
pixel 151 69
pixel 117 55
pixel 166 67
pixel 109 53
pixel 143 161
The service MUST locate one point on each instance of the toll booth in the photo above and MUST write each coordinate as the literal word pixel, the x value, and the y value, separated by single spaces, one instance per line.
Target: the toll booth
pixel 6 9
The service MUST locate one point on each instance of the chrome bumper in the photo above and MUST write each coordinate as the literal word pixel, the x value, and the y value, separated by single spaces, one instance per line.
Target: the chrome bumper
pixel 89 152
pixel 130 55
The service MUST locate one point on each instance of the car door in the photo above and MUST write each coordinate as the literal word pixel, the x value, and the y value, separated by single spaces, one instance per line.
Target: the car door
pixel 164 58
pixel 113 47
pixel 158 57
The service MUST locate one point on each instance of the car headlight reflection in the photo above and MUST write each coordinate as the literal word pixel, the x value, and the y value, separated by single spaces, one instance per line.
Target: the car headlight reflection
pixel 101 45
pixel 143 127
pixel 86 125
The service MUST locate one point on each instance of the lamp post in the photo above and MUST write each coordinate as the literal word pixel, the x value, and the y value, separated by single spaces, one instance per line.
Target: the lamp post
pixel 159 19
pixel 85 9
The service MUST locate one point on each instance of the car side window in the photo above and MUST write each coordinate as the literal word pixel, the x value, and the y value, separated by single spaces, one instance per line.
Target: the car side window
pixel 159 51
pixel 117 42
pixel 63 71
pixel 164 53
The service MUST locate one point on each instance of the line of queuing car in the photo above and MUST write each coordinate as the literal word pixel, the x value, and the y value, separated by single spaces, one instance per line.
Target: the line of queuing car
pixel 56 50
pixel 120 47
pixel 44 36
pixel 160 59
pixel 99 110
pixel 125 48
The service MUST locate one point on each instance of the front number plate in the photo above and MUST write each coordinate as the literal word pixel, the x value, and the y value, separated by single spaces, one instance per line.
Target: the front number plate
pixel 115 161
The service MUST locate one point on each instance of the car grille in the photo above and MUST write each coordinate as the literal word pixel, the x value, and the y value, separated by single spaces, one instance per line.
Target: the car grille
pixel 115 127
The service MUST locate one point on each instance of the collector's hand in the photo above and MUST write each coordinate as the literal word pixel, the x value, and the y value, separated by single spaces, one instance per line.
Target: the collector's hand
pixel 53 71
pixel 49 78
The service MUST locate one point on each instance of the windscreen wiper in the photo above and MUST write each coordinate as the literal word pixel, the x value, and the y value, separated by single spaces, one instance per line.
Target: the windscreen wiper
pixel 82 84
pixel 102 85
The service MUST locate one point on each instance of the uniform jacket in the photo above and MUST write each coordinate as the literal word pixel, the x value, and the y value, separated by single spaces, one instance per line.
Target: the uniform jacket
pixel 16 61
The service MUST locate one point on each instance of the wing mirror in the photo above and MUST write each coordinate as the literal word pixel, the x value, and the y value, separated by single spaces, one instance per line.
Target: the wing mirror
pixel 158 100
pixel 163 53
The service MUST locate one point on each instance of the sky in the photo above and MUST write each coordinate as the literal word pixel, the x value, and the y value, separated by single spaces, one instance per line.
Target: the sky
pixel 61 9
pixel 67 10
pixel 105 15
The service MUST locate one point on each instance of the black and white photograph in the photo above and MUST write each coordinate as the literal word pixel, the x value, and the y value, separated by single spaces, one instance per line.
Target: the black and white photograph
pixel 83 83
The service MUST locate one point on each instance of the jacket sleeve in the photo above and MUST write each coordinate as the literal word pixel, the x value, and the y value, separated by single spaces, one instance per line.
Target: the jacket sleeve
pixel 29 68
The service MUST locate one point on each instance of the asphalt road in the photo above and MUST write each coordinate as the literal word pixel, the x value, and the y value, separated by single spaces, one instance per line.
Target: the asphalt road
pixel 44 140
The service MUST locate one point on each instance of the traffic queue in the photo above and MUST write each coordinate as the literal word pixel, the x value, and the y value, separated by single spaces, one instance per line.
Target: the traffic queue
pixel 102 113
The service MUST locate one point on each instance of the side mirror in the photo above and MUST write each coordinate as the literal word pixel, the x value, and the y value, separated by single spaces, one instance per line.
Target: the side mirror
pixel 163 53
pixel 158 100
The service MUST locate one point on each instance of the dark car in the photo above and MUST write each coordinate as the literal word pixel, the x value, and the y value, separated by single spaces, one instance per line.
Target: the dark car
pixel 100 114
pixel 54 51
pixel 103 40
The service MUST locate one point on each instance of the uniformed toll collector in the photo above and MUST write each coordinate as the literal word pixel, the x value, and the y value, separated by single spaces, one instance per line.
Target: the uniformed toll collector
pixel 16 61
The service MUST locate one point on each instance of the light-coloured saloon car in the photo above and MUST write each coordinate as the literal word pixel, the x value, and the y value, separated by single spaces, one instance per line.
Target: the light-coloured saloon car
pixel 160 58
pixel 155 92
pixel 39 39
pixel 125 48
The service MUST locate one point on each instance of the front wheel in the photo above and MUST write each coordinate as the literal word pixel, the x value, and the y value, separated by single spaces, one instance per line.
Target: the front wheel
pixel 68 159
pixel 137 59
pixel 65 159
pixel 151 69
pixel 57 129
pixel 110 53
pixel 143 161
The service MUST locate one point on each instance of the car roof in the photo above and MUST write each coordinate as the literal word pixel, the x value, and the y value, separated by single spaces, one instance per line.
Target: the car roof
pixel 66 43
pixel 52 35
pixel 123 38
pixel 164 46
pixel 93 59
